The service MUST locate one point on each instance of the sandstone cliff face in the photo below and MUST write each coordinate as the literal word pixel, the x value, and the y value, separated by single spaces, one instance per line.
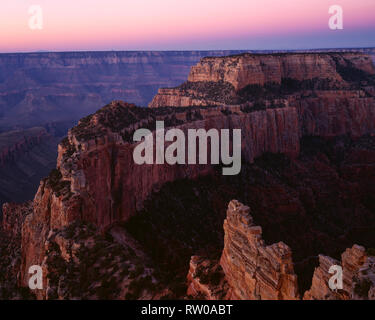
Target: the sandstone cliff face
pixel 253 270
pixel 97 181
pixel 10 250
pixel 250 270
pixel 13 218
pixel 336 113
pixel 206 280
pixel 358 277
pixel 249 69
pixel 174 98
pixel 42 89
pixel 101 170
pixel 236 73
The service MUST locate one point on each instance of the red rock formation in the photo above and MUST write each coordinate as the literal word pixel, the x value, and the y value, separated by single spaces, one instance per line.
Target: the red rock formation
pixel 174 98
pixel 100 188
pixel 234 73
pixel 10 250
pixel 103 172
pixel 335 113
pixel 247 69
pixel 206 280
pixel 358 269
pixel 14 216
pixel 253 270
pixel 97 180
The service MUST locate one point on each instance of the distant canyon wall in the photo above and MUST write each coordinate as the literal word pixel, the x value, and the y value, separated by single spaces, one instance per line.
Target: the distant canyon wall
pixel 25 157
pixel 37 88
pixel 55 90
pixel 235 79
pixel 96 179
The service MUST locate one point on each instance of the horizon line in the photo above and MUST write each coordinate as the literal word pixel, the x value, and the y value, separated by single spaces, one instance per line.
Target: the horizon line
pixel 170 50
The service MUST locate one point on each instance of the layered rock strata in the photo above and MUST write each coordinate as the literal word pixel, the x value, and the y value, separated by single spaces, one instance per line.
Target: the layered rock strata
pixel 358 269
pixel 250 270
pixel 25 157
pixel 97 181
pixel 14 143
pixel 228 79
pixel 253 269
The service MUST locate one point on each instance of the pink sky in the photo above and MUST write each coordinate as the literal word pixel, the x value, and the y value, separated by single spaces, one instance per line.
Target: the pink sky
pixel 183 24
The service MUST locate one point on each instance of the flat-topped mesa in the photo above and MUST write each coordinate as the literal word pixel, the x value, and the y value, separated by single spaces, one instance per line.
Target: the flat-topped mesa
pixel 252 269
pixel 236 79
pixel 249 69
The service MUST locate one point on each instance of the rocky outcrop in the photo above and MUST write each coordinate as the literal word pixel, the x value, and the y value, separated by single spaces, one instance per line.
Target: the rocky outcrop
pixel 14 216
pixel 101 166
pixel 54 90
pixel 249 69
pixel 206 280
pixel 173 97
pixel 229 79
pixel 250 270
pixel 10 251
pixel 94 180
pixel 358 277
pixel 97 181
pixel 80 264
pixel 254 270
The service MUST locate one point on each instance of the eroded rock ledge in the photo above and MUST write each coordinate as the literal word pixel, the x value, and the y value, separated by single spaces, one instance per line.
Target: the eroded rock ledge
pixel 358 267
pixel 251 270
pixel 96 180
pixel 236 79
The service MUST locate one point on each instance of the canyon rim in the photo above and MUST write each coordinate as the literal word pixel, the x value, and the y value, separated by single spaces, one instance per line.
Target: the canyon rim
pixel 102 227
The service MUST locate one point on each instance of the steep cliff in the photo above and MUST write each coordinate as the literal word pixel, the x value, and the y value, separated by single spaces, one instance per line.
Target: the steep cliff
pixel 358 277
pixel 252 269
pixel 94 177
pixel 249 69
pixel 10 251
pixel 236 79
pixel 54 90
pixel 96 180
